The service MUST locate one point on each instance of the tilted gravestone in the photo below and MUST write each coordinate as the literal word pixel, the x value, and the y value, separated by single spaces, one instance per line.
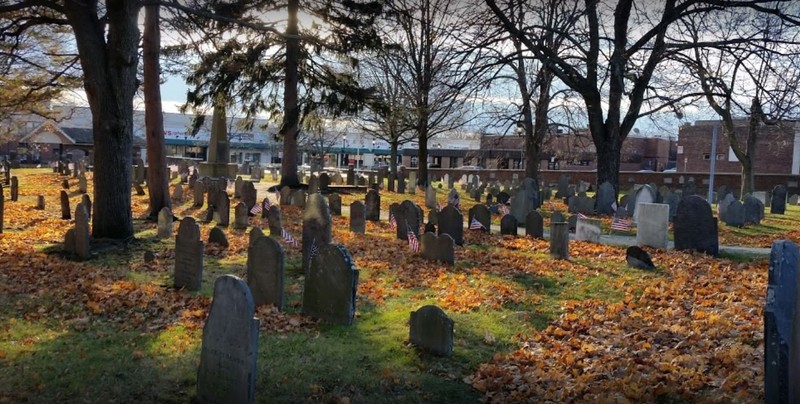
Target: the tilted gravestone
pixel 606 199
pixel 255 233
pixel 199 193
pixel 653 225
pixel 778 200
pixel 217 236
pixel 782 325
pixel 409 217
pixel 695 228
pixel 753 210
pixel 65 211
pixel 372 203
pixel 508 225
pixel 431 330
pixel 227 371
pixel 437 248
pixel 559 240
pixel 317 227
pixel 534 225
pixel 451 222
pixel 165 223
pixel 249 195
pixel 265 271
pixel 240 216
pixel 330 286
pixel 481 214
pixel 735 215
pixel 335 204
pixel 358 223
pixel 82 241
pixel 275 221
pixel 188 255
pixel 587 230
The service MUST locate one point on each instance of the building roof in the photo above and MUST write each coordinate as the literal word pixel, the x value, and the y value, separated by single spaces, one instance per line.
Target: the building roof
pixel 79 135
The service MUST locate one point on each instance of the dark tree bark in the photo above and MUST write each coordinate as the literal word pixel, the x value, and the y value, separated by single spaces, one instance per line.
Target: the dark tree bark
pixel 291 119
pixel 157 179
pixel 108 50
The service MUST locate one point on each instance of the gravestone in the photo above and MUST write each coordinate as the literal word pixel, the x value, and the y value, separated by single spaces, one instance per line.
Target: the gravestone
pixel 753 210
pixel 275 221
pixel 430 197
pixel 559 240
pixel 689 188
pixel 249 195
pixel 217 236
pixel 199 193
pixel 572 221
pixel 778 200
pixel 255 233
pixel 237 187
pixel 324 182
pixel 508 225
pixel 313 184
pixel 451 222
pixel 781 325
pixel 265 271
pixel 227 370
pixel 437 248
pixel 761 196
pixel 582 204
pixel 316 227
pixel 222 209
pixel 193 179
pixel 82 240
pixel 645 194
pixel 330 286
pixel 65 184
pixel 188 255
pixel 390 181
pixel 534 225
pixel 653 225
pixel 557 216
pixel 562 189
pixel 722 207
pixel 177 195
pixel 724 191
pixel 40 204
pixel 14 188
pixel 351 175
pixel 638 258
pixel 525 200
pixel 409 218
pixel 65 211
pixel 372 202
pixel 240 216
pixel 139 173
pixel 673 200
pixel 286 192
pixel 587 230
pixel 335 204
pixel 695 228
pixel 165 223
pixel 87 203
pixel 735 215
pixel 482 215
pixel 453 199
pixel 358 219
pixel 794 199
pixel 412 182
pixel 606 199
pixel 82 184
pixel 298 198
pixel 431 330
pixel 401 185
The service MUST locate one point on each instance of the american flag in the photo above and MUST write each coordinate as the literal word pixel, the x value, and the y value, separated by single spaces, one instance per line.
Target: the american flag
pixel 582 216
pixel 392 220
pixel 619 223
pixel 475 224
pixel 267 203
pixel 256 209
pixel 413 242
pixel 287 237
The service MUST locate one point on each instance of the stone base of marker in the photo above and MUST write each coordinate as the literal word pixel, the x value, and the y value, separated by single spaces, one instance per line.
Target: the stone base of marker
pixel 431 330
pixel 218 170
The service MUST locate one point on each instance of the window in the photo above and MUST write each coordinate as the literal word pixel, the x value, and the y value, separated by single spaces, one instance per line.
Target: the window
pixel 707 156
pixel 413 161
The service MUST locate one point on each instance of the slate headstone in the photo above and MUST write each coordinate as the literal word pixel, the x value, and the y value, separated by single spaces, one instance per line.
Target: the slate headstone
pixel 753 210
pixel 606 199
pixel 695 228
pixel 722 207
pixel 237 187
pixel 481 214
pixel 40 203
pixel 451 222
pixel 177 194
pixel 240 216
pixel 735 215
pixel 430 197
pixel 358 218
pixel 217 236
pixel 408 217
pixel 265 271
pixel 222 209
pixel 87 203
pixel 324 182
pixel 372 203
pixel 188 255
pixel 286 192
pixel 165 223
pixel 275 221
pixel 534 225
pixel 249 195
pixel 298 198
pixel 199 194
pixel 778 205
pixel 437 248
pixel 559 240
pixel 82 241
pixel 645 194
pixel 317 227
pixel 255 233
pixel 508 225
pixel 65 211
pixel 431 330
pixel 525 200
pixel 330 286
pixel 335 204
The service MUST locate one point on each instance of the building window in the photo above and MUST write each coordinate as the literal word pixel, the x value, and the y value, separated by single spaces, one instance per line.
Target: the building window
pixel 707 156
pixel 413 161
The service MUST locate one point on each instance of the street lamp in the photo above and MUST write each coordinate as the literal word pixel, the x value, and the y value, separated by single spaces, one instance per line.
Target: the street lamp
pixel 344 146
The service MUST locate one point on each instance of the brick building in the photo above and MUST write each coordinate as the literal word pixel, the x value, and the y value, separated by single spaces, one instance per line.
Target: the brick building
pixel 648 153
pixel 777 148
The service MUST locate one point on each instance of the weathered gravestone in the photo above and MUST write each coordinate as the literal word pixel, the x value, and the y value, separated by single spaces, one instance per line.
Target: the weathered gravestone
pixel 638 258
pixel 562 189
pixel 285 192
pixel 778 200
pixel 409 217
pixel 330 286
pixel 199 193
pixel 255 233
pixel 188 255
pixel 559 240
pixel 237 187
pixel 587 230
pixel 689 189
pixel 653 225
pixel 275 221
pixel 298 198
pixel 222 209
pixel 572 221
pixel 645 194
pixel 177 194
pixel 451 222
pixel 782 325
pixel 372 202
pixel 433 217
pixel 673 199
pixel 431 330
pixel 438 248
pixel 87 203
pixel 82 239
pixel 82 184
pixel 316 227
pixel 217 236
pixel 14 189
pixel 735 215
pixel 606 199
pixel 722 207
pixel 227 371
pixel 40 204
pixel 401 185
pixel 695 227
pixel 265 271
pixel 358 219
pixel 65 211
pixel 753 210
pixel 508 225
pixel 430 197
pixel 240 216
pixel 525 200
pixel 324 182
pixel 582 204
pixel 794 199
pixel 165 223
pixel 480 218
pixel 351 175
pixel 249 195
pixel 534 225
pixel 335 204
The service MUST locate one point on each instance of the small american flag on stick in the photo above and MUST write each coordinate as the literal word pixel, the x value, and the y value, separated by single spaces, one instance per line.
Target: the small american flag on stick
pixel 621 224
pixel 413 242
pixel 582 216
pixel 256 209
pixel 287 237
pixel 392 220
pixel 475 224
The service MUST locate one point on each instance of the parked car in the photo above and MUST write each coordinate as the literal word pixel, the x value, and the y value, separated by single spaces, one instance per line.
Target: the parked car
pixel 472 168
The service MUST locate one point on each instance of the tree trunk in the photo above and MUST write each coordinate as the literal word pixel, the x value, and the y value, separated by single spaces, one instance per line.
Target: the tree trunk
pixel 393 145
pixel 109 71
pixel 157 180
pixel 291 116
pixel 535 139
pixel 422 156
pixel 608 162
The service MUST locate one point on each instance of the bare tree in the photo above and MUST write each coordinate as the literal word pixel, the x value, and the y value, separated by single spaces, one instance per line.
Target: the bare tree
pixel 318 136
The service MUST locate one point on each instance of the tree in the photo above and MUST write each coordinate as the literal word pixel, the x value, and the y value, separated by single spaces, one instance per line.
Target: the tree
pixel 435 71
pixel 287 73
pixel 157 179
pixel 106 36
pixel 757 78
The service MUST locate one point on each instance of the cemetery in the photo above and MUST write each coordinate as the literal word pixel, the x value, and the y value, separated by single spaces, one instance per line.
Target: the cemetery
pixel 304 302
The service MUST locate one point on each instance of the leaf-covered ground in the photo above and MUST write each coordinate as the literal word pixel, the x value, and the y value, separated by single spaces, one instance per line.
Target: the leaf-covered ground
pixel 528 328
